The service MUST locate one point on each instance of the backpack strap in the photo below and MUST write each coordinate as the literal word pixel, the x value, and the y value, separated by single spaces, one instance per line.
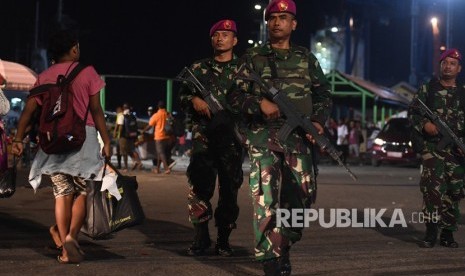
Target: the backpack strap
pixel 40 89
pixel 46 87
pixel 79 67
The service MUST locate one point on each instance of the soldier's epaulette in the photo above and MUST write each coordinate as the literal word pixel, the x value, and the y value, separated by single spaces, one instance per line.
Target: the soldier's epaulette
pixel 256 51
pixel 301 49
pixel 203 61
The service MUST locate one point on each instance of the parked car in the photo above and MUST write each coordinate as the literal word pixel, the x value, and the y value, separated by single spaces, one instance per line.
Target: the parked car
pixel 392 144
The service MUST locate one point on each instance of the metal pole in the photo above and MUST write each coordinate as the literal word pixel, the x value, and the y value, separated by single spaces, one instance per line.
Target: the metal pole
pixel 36 27
pixel 383 115
pixel 375 112
pixel 436 49
pixel 348 42
pixel 263 27
pixel 60 12
pixel 448 25
pixel 413 43
pixel 364 109
pixel 102 94
pixel 169 88
pixel 169 95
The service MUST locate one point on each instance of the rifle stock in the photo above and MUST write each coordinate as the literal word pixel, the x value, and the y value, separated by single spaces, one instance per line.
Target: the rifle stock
pixel 294 118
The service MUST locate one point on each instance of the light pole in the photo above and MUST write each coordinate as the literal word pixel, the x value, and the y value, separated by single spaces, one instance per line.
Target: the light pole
pixel 263 34
pixel 258 7
pixel 413 43
pixel 436 45
pixel 262 31
pixel 263 27
pixel 448 25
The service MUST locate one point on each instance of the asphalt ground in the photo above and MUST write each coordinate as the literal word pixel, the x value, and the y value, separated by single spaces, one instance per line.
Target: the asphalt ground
pixel 157 247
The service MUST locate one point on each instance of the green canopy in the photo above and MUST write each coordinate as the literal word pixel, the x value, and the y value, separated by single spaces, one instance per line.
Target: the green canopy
pixel 363 95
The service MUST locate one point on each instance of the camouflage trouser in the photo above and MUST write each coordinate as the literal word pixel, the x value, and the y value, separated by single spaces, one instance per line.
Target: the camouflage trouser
pixel 442 187
pixel 204 167
pixel 277 180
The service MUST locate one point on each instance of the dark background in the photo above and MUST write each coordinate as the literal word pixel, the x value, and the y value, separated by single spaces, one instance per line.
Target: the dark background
pixel 158 38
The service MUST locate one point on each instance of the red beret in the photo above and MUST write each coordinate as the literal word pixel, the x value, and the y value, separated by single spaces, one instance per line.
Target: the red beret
pixel 452 53
pixel 280 6
pixel 224 25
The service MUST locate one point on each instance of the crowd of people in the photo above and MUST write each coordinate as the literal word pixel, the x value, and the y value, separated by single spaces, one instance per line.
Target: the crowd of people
pixel 162 137
pixel 282 173
pixel 349 137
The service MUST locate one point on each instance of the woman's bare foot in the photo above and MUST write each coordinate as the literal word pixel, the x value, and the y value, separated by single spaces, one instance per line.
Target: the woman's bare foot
pixel 55 236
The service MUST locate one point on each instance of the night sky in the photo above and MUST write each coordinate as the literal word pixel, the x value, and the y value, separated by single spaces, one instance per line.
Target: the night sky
pixel 158 38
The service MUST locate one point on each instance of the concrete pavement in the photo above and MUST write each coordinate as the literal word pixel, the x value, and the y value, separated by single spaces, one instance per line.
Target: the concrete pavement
pixel 158 246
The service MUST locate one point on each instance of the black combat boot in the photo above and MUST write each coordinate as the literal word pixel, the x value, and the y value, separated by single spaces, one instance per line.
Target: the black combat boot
pixel 222 247
pixel 201 240
pixel 285 263
pixel 447 239
pixel 271 267
pixel 431 235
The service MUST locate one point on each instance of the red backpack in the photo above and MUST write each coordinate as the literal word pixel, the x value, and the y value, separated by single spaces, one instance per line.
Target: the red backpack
pixel 61 130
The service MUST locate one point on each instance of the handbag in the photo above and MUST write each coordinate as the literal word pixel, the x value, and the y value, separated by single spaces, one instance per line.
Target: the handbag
pixel 99 211
pixel 127 211
pixel 106 214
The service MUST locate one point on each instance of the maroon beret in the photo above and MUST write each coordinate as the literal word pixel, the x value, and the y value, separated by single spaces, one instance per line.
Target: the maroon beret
pixel 224 25
pixel 452 53
pixel 280 6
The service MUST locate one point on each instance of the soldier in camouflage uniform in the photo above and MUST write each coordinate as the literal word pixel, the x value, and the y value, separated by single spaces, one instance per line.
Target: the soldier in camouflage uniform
pixel 442 178
pixel 215 151
pixel 281 173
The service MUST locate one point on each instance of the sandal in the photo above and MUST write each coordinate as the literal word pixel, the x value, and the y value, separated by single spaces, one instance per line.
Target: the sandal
pixel 75 254
pixel 61 261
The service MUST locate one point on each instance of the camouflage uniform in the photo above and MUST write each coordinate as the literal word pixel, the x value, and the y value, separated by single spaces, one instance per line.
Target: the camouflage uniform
pixel 215 152
pixel 442 178
pixel 281 173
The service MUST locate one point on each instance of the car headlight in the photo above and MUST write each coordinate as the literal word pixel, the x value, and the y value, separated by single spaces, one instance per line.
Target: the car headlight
pixel 410 144
pixel 379 141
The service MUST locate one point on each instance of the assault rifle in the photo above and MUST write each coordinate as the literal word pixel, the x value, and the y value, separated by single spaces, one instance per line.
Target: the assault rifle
pixel 448 136
pixel 213 104
pixel 294 119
